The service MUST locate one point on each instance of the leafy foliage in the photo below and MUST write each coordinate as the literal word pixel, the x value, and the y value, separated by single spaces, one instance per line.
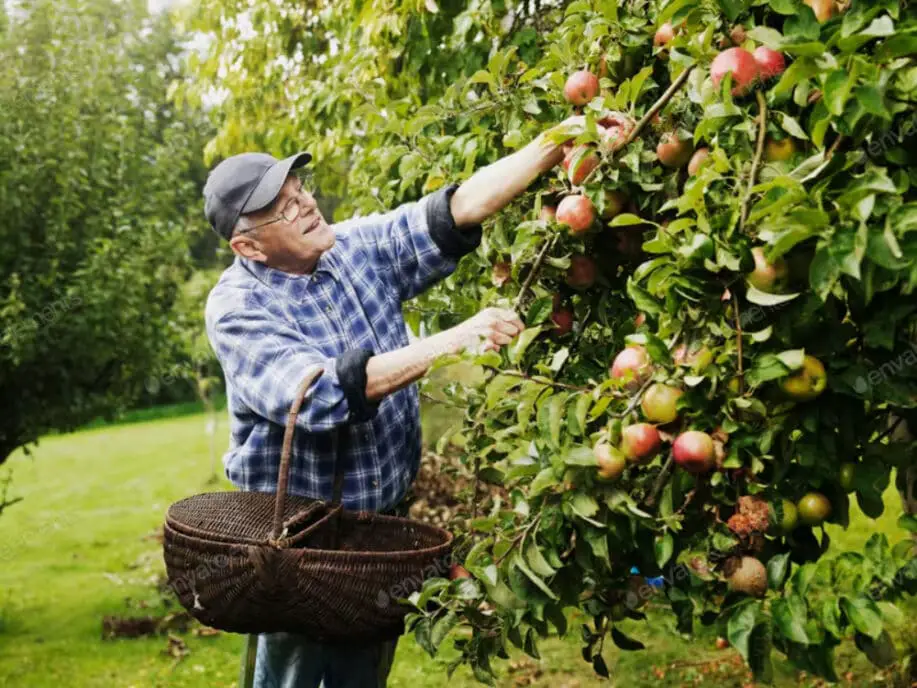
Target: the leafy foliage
pixel 814 168
pixel 99 183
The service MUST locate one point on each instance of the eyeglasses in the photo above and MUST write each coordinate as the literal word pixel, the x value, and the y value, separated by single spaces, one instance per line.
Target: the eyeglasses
pixel 292 211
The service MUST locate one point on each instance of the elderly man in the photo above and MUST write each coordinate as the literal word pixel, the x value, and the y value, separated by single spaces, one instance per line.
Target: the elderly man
pixel 301 293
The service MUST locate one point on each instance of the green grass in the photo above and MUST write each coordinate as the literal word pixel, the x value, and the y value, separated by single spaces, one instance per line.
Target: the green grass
pixel 78 547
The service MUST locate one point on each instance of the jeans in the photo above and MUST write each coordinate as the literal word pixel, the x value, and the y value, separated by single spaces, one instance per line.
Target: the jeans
pixel 285 660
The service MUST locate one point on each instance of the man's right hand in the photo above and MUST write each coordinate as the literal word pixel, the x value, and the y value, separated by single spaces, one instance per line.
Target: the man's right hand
pixel 488 330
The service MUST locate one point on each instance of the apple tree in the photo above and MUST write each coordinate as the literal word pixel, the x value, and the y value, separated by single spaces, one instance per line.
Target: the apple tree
pixel 717 282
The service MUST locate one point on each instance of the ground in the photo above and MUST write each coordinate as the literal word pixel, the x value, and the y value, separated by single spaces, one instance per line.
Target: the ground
pixel 82 546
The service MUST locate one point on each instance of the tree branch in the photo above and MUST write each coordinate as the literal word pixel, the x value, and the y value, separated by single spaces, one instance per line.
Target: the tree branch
pixel 536 267
pixel 658 105
pixel 756 161
pixel 735 305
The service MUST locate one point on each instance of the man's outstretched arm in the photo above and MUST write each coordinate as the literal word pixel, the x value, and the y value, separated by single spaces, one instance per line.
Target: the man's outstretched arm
pixel 492 188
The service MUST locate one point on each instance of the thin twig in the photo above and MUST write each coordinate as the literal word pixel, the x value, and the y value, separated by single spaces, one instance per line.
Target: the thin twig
pixel 551 383
pixel 433 400
pixel 756 161
pixel 833 149
pixel 536 267
pixel 890 429
pixel 658 105
pixel 660 481
pixel 634 400
pixel 735 305
pixel 519 538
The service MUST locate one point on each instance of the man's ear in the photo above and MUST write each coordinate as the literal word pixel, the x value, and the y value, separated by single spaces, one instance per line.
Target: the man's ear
pixel 246 247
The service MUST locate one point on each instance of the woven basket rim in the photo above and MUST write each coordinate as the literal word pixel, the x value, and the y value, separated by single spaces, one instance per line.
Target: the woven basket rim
pixel 334 554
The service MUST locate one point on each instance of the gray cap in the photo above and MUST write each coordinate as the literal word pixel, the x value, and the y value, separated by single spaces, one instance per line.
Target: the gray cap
pixel 243 184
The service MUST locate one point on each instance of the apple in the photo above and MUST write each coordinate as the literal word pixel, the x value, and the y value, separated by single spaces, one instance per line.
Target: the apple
pixel 823 9
pixel 770 62
pixel 766 275
pixel 664 34
pixel 846 476
pixel 580 163
pixel 790 516
pixel 808 382
pixel 457 571
pixel 581 273
pixel 577 212
pixel 697 160
pixel 615 202
pixel 738 62
pixel 747 575
pixel 581 87
pixel 721 643
pixel 693 450
pixel 813 508
pixel 500 274
pixel 548 213
pixel 632 364
pixel 611 462
pixel 563 321
pixel 640 442
pixel 778 151
pixel 674 152
pixel 659 403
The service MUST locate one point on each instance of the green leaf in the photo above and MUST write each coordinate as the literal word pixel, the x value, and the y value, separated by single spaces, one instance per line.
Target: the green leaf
pixel 545 479
pixel 518 347
pixel 864 615
pixel 422 635
pixel 880 651
pixel 626 219
pixel 792 127
pixel 625 643
pixel 441 629
pixel 519 563
pixel 838 85
pixel 663 545
pixel 741 624
pixel 761 298
pixel 777 569
pixel 871 99
pixel 580 456
pixel 787 7
pixel 499 387
pixel 790 618
pixel 537 561
pixel 831 617
pixel 539 311
pixel 584 505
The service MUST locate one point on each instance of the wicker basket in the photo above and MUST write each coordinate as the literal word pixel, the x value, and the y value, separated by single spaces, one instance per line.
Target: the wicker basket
pixel 251 562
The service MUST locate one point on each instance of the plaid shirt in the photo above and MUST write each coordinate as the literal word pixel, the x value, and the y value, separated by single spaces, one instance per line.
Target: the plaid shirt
pixel 269 328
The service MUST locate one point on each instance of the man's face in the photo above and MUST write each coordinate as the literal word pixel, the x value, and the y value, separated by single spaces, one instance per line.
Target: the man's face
pixel 292 246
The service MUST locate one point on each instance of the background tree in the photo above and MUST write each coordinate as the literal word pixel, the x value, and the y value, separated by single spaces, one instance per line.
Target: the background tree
pixel 747 234
pixel 100 187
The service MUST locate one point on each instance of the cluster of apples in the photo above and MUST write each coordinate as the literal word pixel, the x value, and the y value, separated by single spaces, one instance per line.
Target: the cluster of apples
pixel 692 450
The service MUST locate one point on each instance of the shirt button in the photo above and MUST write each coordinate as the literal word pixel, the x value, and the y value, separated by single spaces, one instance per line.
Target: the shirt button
pixel 329 310
pixel 375 483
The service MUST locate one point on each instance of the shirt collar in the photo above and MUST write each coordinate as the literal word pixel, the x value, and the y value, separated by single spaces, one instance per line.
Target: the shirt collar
pixel 292 285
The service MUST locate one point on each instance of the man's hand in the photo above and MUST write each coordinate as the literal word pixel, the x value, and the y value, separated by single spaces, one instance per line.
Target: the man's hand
pixel 488 330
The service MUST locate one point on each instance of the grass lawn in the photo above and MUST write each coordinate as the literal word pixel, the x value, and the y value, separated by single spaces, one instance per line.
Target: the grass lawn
pixel 79 547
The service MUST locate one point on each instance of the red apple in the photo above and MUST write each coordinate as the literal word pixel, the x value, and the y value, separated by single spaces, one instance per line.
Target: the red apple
pixel 673 151
pixel 640 442
pixel 697 160
pixel 738 62
pixel 610 461
pixel 693 451
pixel 615 202
pixel 581 273
pixel 766 275
pixel 563 321
pixel 659 403
pixel 770 62
pixel 631 364
pixel 579 164
pixel 577 212
pixel 664 34
pixel 581 87
pixel 548 213
pixel 457 571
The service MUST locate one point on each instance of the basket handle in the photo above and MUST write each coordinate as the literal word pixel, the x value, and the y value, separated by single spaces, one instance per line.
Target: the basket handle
pixel 283 476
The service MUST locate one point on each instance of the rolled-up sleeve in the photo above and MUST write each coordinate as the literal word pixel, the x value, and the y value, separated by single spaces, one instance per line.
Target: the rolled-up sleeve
pixel 266 361
pixel 418 243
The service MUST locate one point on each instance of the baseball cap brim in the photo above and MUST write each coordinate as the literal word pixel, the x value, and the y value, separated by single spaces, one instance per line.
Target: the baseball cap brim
pixel 272 181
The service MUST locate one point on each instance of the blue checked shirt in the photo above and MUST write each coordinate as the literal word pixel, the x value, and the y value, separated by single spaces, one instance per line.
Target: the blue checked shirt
pixel 269 328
